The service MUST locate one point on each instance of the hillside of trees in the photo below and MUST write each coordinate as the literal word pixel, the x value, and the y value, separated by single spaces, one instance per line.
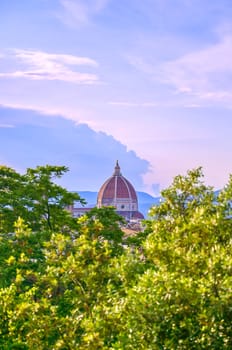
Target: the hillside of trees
pixel 70 283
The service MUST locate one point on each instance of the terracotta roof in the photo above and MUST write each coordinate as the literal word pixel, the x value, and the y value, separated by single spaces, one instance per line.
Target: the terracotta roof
pixel 137 215
pixel 117 186
pixel 131 214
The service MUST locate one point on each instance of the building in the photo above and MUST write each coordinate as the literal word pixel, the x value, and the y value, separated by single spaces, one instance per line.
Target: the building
pixel 118 192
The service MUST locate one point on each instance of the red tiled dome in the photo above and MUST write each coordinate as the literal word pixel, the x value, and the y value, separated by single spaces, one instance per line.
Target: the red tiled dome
pixel 117 191
pixel 116 187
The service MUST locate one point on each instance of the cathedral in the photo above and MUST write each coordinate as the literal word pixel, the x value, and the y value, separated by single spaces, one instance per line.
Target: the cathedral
pixel 118 192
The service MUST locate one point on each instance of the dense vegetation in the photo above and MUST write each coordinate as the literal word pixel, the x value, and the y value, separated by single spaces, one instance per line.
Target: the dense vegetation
pixel 80 284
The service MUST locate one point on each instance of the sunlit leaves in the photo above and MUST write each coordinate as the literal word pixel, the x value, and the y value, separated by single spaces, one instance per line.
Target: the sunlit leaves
pixel 90 288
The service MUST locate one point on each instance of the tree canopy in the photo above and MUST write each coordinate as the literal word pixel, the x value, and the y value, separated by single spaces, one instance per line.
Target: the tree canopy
pixel 80 284
pixel 36 197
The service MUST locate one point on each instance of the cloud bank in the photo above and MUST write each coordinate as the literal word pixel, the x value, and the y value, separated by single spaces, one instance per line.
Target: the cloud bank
pixel 90 155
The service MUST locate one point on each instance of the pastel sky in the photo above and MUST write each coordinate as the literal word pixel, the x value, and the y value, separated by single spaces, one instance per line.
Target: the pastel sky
pixel 86 82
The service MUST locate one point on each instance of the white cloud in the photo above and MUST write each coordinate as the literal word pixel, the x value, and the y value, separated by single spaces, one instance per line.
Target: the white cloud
pixel 133 104
pixel 79 12
pixel 38 58
pixel 45 66
pixel 6 126
pixel 65 75
pixel 40 110
pixel 78 116
pixel 192 105
pixel 211 59
pixel 204 74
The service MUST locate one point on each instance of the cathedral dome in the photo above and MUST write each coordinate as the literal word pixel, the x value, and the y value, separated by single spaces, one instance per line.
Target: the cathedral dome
pixel 117 191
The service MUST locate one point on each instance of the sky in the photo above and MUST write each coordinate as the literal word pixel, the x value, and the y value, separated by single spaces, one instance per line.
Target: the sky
pixel 84 83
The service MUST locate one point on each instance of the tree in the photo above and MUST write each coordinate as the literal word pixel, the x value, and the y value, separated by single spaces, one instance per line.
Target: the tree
pixel 91 291
pixel 36 198
pixel 183 300
pixel 104 224
pixel 66 301
pixel 49 199
pixel 13 202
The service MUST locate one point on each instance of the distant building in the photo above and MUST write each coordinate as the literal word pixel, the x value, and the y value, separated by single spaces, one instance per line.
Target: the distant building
pixel 118 192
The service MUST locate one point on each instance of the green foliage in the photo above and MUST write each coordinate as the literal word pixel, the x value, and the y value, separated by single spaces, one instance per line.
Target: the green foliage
pixel 21 252
pixel 104 224
pixel 184 300
pixel 36 198
pixel 48 199
pixel 79 286
pixel 13 202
